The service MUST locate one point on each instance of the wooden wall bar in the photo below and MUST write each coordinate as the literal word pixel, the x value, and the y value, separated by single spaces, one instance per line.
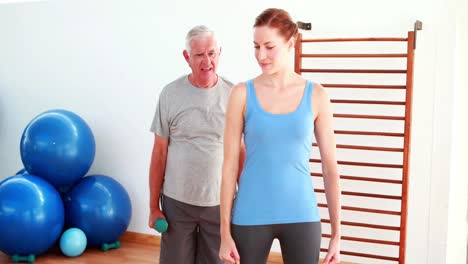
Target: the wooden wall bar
pixel 400 182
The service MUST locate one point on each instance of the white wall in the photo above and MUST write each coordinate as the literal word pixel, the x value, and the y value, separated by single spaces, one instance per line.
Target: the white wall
pixel 457 232
pixel 108 60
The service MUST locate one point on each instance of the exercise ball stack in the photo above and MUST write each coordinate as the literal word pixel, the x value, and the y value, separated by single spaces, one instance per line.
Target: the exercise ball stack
pixel 57 148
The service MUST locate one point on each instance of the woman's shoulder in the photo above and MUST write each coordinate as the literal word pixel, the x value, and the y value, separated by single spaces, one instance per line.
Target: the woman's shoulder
pixel 239 90
pixel 318 91
pixel 240 87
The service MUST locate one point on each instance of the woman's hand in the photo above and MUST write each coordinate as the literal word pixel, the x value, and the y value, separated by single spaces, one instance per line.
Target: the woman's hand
pixel 228 251
pixel 333 254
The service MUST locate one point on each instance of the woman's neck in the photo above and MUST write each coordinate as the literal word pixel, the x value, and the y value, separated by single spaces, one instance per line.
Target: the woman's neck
pixel 278 80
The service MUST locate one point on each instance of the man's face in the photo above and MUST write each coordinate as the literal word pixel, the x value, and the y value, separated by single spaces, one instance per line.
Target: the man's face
pixel 203 57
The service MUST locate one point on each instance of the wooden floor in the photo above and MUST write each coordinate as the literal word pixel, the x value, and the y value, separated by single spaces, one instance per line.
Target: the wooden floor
pixel 130 252
pixel 135 248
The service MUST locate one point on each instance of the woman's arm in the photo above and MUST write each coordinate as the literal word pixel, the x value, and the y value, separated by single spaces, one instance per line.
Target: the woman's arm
pixel 233 152
pixel 325 137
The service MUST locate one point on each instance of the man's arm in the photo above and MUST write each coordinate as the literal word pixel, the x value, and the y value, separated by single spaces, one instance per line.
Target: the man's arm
pixel 156 176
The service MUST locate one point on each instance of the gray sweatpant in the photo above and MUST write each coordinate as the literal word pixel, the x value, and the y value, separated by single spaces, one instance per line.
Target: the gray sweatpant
pixel 300 242
pixel 193 233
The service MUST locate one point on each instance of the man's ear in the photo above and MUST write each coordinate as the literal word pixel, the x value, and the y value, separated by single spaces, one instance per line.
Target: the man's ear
pixel 186 56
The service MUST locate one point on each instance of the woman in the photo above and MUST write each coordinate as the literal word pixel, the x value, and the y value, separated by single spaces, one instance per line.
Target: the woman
pixel 277 113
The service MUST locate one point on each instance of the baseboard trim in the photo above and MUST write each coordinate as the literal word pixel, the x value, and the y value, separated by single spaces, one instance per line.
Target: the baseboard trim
pixel 141 238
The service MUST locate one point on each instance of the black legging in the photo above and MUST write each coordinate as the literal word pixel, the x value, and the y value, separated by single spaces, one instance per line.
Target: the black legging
pixel 300 242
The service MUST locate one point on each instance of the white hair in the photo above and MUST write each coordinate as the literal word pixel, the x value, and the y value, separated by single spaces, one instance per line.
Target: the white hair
pixel 198 31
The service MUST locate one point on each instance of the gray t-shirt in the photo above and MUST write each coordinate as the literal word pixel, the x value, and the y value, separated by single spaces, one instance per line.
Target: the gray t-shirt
pixel 193 120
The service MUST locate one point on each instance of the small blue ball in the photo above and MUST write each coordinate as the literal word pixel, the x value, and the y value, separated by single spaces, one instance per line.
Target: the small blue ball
pixel 73 242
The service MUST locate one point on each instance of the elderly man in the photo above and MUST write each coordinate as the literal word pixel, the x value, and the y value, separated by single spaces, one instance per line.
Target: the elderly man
pixel 186 162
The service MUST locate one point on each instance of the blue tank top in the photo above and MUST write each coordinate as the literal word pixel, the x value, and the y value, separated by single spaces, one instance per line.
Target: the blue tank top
pixel 275 185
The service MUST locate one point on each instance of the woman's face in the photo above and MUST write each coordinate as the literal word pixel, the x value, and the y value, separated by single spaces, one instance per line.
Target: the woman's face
pixel 271 49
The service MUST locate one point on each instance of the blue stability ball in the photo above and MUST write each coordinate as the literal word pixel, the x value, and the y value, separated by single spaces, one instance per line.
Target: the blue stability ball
pixel 73 242
pixel 58 146
pixel 99 206
pixel 22 171
pixel 31 215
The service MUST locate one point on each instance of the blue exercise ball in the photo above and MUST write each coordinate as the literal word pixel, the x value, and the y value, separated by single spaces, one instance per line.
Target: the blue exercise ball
pixel 31 215
pixel 73 242
pixel 22 171
pixel 100 206
pixel 59 146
